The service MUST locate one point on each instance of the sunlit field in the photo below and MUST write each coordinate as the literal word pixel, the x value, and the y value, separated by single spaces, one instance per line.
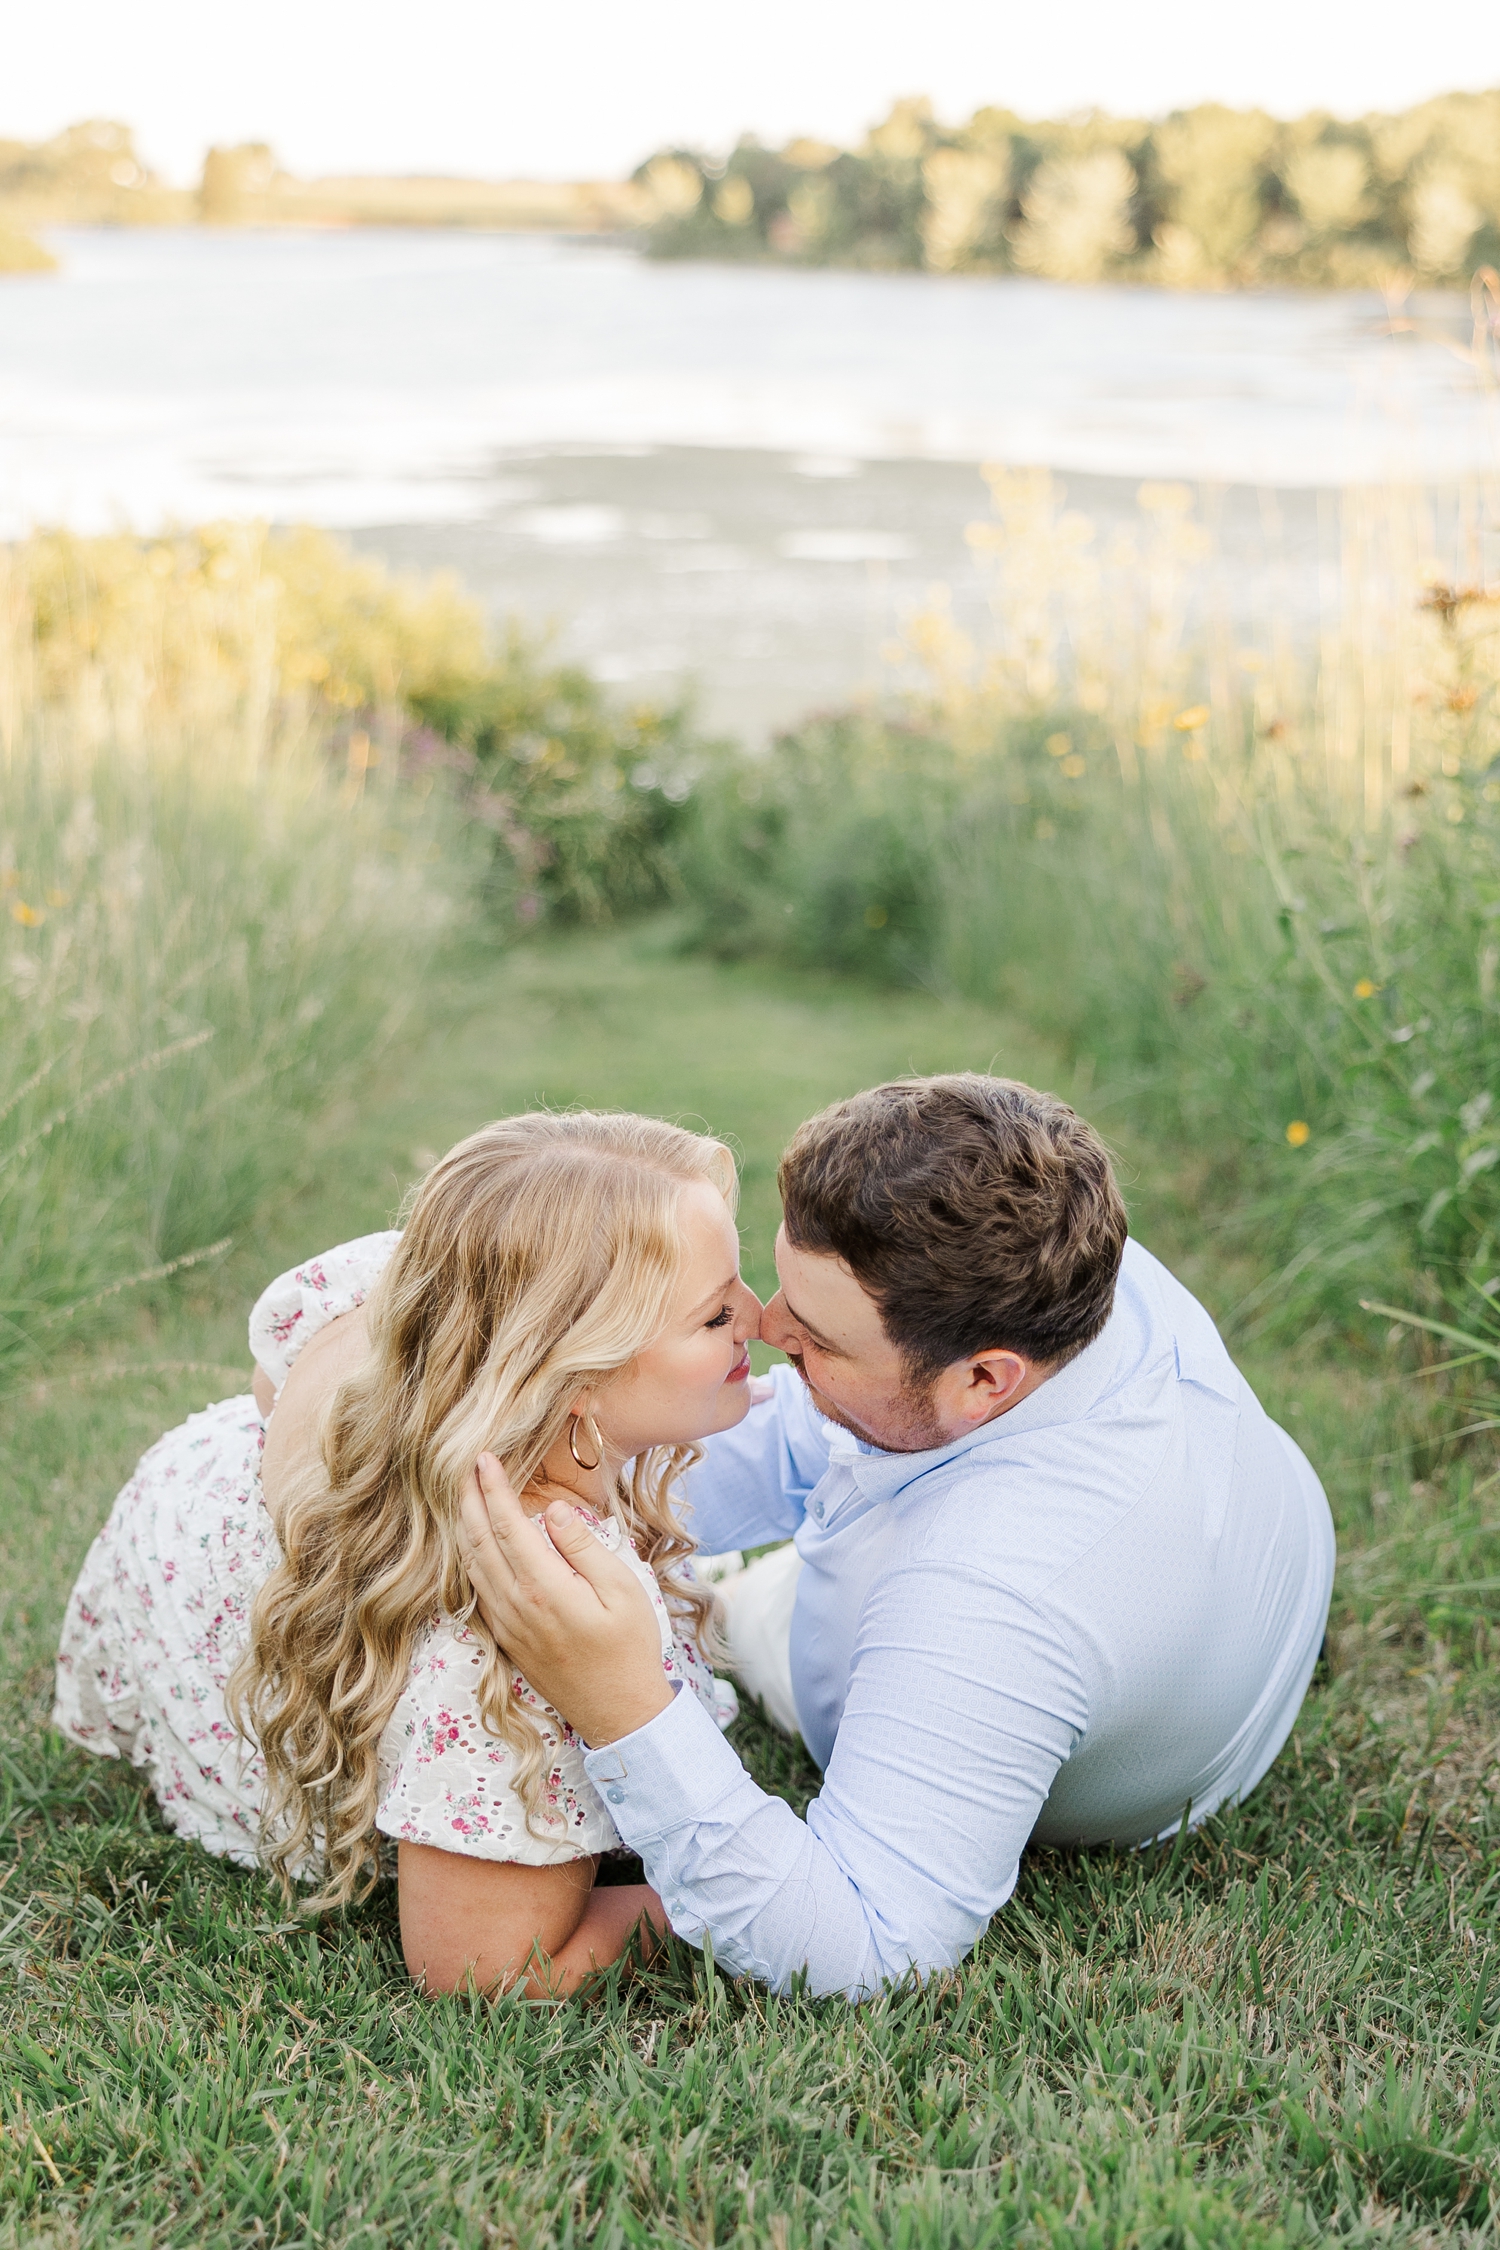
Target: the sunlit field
pixel 302 880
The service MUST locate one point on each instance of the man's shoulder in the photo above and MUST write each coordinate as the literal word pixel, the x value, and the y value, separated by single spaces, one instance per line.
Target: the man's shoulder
pixel 1170 1315
pixel 1045 1481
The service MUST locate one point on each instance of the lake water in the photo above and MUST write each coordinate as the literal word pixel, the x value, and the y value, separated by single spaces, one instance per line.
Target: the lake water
pixel 738 474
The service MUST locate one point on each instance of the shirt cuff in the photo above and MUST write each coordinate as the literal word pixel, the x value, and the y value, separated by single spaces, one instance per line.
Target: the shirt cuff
pixel 668 1774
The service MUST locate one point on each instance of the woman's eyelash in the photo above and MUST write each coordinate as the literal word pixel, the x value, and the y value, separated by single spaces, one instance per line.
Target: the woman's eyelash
pixel 720 1319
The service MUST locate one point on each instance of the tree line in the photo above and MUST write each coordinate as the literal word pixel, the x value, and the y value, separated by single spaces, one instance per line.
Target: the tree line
pixel 1204 198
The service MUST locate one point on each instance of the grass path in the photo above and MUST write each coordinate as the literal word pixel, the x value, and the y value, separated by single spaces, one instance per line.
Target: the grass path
pixel 1284 2029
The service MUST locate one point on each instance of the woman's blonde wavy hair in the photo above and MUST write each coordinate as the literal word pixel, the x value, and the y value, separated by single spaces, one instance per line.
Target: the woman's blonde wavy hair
pixel 539 1258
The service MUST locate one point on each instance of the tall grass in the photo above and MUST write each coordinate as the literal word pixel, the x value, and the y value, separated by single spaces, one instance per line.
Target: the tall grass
pixel 196 964
pixel 246 784
pixel 211 928
pixel 1256 891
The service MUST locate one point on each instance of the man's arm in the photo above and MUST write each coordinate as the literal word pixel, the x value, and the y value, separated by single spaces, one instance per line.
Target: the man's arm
pixel 963 1702
pixel 752 1485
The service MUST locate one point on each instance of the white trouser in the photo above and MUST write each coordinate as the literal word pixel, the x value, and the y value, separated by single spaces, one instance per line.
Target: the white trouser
pixel 757 1602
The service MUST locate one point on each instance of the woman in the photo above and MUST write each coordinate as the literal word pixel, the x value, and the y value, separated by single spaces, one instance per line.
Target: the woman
pixel 276 1621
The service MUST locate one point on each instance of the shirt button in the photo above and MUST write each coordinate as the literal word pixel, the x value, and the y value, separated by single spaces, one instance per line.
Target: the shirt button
pixel 615 1796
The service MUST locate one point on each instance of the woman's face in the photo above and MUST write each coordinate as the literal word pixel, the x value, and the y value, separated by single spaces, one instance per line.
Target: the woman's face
pixel 694 1379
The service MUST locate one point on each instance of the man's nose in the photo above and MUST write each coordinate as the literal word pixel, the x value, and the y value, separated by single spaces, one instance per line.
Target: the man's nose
pixel 776 1327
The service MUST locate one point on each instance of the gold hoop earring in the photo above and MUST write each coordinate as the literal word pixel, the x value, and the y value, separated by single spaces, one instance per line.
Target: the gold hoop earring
pixel 587 1466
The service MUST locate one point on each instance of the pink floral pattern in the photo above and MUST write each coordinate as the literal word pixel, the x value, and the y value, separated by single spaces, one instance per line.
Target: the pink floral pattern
pixel 161 1609
pixel 445 1781
pixel 299 1303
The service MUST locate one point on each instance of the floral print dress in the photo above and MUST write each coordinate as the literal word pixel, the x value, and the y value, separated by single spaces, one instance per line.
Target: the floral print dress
pixel 161 1609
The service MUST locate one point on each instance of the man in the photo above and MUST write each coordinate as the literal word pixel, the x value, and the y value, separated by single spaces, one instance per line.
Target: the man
pixel 1061 1577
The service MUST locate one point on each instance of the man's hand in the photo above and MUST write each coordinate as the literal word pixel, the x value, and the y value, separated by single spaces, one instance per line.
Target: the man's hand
pixel 569 1615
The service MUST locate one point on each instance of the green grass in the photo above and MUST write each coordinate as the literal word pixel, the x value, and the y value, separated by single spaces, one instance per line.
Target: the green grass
pixel 1283 2029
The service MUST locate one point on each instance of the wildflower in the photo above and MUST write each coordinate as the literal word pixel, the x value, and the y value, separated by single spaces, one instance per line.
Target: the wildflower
pixel 58 898
pixel 1298 1133
pixel 1365 989
pixel 1196 715
pixel 1074 767
pixel 1059 745
pixel 29 917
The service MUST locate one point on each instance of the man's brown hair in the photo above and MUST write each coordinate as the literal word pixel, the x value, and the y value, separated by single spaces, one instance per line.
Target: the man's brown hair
pixel 979 1214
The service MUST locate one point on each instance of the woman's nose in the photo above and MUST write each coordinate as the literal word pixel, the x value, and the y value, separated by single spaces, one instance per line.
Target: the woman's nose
pixel 751 1313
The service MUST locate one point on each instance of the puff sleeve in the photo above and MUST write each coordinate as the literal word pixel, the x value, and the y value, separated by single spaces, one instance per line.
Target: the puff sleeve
pixel 299 1303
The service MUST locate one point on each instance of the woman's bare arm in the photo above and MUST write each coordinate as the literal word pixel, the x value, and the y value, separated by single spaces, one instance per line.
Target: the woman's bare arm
pixel 499 1923
pixel 338 1350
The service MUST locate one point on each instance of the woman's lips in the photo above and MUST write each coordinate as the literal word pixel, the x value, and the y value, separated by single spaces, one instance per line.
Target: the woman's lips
pixel 739 1372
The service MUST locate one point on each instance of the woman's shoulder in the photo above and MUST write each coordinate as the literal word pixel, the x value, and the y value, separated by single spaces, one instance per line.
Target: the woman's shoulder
pixel 447 1781
pixel 308 1296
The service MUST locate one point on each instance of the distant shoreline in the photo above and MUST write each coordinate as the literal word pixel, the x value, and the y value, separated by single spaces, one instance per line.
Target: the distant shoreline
pixel 1206 199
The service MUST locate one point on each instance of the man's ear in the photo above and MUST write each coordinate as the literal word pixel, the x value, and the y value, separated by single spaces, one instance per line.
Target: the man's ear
pixel 993 1379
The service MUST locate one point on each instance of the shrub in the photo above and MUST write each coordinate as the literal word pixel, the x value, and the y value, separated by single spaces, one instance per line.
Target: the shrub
pixel 266 646
pixel 581 799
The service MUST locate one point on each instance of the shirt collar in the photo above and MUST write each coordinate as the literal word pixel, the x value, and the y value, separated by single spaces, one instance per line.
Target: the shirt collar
pixel 1065 1397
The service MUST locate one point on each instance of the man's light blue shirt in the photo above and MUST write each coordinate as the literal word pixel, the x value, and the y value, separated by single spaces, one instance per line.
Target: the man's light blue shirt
pixel 1099 1609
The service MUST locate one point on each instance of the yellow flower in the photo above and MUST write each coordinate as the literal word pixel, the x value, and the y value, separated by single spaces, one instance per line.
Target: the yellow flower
pixel 1075 767
pixel 1196 715
pixel 1298 1133
pixel 1365 990
pixel 58 898
pixel 1058 746
pixel 29 917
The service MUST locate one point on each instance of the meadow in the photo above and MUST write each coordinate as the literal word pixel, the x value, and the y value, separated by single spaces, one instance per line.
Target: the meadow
pixel 303 879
